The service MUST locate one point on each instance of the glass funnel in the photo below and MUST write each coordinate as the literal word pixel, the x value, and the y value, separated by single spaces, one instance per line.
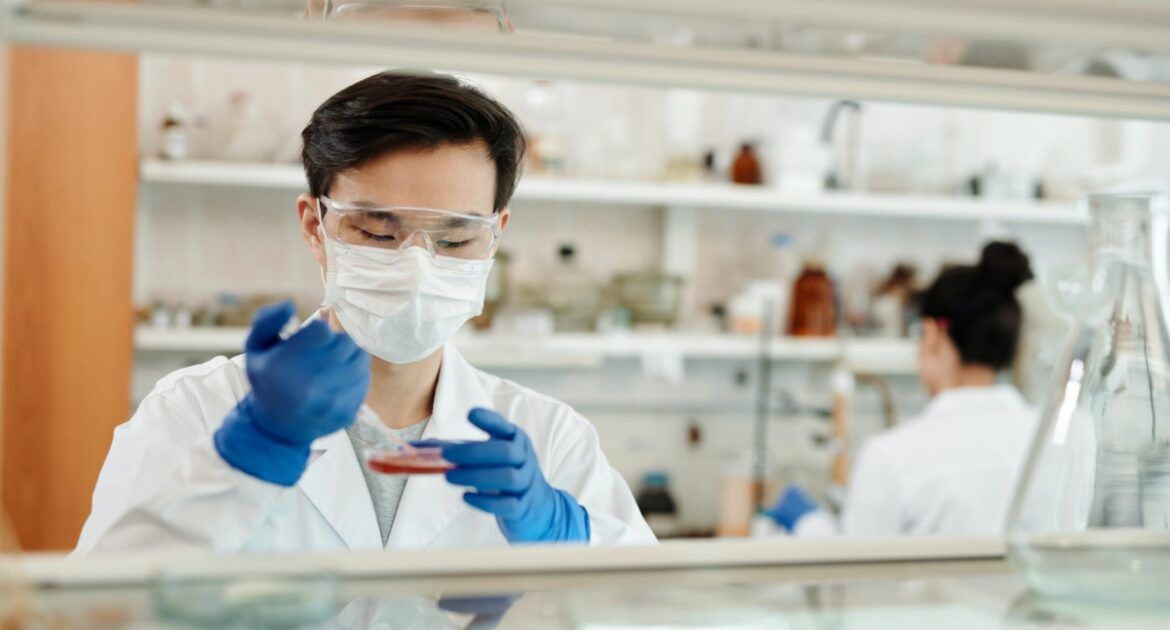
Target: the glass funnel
pixel 1091 517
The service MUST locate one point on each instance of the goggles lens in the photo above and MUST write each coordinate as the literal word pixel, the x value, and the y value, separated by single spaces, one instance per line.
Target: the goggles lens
pixel 441 232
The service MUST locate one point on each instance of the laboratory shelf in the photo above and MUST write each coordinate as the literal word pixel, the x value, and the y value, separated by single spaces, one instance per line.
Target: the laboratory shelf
pixel 590 351
pixel 591 40
pixel 661 194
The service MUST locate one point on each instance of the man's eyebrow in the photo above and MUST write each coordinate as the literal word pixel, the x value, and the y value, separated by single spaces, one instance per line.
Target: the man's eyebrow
pixel 380 215
pixel 366 203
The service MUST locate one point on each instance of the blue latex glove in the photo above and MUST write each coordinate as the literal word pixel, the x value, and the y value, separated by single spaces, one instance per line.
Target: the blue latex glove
pixel 303 388
pixel 793 505
pixel 507 482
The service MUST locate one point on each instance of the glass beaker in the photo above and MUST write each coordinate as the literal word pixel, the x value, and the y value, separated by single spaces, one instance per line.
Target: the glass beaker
pixel 1091 517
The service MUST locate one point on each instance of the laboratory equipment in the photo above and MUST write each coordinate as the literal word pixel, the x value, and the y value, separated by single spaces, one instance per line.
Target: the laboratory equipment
pixel 813 311
pixel 759 301
pixel 657 505
pixel 444 233
pixel 651 297
pixel 845 172
pixel 891 301
pixel 746 168
pixel 404 459
pixel 393 455
pixel 1091 517
pixel 545 121
pixel 572 293
pixel 741 490
pixel 475 14
pixel 174 134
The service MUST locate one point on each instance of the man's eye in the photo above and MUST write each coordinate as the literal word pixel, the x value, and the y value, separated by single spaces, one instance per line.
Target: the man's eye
pixel 445 244
pixel 382 238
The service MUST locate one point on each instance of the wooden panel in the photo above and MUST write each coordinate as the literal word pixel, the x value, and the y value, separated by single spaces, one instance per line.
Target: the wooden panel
pixel 70 205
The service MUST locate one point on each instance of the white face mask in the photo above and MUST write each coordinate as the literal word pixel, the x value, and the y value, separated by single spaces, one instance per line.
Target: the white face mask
pixel 401 305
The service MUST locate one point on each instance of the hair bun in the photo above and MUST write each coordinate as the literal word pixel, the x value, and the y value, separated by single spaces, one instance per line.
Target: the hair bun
pixel 1004 265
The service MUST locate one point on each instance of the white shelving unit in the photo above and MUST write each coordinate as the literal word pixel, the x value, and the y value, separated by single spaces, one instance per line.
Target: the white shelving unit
pixel 551 48
pixel 660 194
pixel 583 350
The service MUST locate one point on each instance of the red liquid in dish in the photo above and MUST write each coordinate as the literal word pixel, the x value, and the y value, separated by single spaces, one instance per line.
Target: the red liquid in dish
pixel 408 467
pixel 398 461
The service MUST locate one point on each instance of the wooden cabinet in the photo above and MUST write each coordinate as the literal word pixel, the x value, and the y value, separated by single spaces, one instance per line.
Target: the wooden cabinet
pixel 68 248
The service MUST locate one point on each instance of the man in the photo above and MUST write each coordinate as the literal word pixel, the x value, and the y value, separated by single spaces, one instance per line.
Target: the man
pixel 409 183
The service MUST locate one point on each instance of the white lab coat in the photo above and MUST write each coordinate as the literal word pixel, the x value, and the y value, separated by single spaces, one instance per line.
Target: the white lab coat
pixel 164 485
pixel 951 470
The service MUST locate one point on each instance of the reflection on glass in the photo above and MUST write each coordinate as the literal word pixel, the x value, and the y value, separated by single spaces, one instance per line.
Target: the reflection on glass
pixel 191 597
pixel 486 14
pixel 1092 517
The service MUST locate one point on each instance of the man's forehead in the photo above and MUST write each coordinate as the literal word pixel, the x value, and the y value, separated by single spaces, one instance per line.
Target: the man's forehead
pixel 461 178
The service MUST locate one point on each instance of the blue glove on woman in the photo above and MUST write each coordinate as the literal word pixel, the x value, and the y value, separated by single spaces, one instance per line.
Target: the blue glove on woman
pixel 304 387
pixel 507 482
pixel 793 505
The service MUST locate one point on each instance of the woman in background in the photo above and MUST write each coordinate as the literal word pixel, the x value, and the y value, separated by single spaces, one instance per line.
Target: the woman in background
pixel 953 468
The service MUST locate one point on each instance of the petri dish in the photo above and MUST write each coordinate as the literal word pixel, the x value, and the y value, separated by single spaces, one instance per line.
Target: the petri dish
pixel 416 460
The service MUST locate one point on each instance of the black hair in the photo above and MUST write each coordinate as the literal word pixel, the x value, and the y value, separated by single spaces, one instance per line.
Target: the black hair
pixel 392 111
pixel 979 304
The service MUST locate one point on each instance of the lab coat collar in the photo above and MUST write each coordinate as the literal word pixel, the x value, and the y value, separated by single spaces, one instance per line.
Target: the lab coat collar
pixel 428 502
pixel 335 484
pixel 967 401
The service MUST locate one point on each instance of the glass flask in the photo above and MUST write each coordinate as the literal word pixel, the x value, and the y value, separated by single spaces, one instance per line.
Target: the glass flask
pixel 1091 517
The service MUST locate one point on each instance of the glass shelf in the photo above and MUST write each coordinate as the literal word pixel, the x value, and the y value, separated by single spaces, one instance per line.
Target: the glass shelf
pixel 1060 56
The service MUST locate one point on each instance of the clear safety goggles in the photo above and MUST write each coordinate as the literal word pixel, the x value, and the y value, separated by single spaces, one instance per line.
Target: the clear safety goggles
pixel 440 232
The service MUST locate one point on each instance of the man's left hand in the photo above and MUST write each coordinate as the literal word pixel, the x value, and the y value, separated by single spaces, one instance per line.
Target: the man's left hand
pixel 506 480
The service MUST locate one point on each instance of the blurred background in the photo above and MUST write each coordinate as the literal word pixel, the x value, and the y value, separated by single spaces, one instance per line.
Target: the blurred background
pixel 688 169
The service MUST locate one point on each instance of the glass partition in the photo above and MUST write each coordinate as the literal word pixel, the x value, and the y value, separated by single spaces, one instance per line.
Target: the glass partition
pixel 705 304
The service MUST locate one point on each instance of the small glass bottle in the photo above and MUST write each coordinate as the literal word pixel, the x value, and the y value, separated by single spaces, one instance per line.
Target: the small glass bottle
pixel 746 167
pixel 1091 517
pixel 813 310
pixel 175 140
pixel 573 295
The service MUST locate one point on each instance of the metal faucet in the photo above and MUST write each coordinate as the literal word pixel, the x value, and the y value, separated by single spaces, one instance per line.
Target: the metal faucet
pixel 843 169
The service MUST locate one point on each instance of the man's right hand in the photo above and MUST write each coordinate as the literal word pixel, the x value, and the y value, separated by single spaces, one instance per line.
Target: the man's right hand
pixel 304 387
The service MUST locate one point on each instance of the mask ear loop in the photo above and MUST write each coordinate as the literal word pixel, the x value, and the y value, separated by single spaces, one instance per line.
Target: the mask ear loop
pixel 320 221
pixel 325 309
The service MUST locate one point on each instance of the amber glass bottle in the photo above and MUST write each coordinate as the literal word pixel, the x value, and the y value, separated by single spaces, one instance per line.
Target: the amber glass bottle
pixel 746 167
pixel 813 312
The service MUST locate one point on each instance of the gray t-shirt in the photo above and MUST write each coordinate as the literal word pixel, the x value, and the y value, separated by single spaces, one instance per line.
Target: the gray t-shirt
pixel 385 490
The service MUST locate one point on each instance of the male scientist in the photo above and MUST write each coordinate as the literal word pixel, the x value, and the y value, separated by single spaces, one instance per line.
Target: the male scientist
pixel 409 180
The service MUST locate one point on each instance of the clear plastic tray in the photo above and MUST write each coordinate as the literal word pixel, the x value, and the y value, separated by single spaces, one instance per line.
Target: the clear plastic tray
pixel 410 460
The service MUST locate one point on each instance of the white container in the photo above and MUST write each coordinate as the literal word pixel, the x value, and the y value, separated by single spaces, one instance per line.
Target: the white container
pixel 748 310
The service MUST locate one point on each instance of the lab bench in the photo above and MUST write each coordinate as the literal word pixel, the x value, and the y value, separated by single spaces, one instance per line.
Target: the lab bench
pixel 775 583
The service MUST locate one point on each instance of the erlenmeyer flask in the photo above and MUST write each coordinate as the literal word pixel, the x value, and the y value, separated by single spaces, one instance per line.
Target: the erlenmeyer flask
pixel 1091 518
